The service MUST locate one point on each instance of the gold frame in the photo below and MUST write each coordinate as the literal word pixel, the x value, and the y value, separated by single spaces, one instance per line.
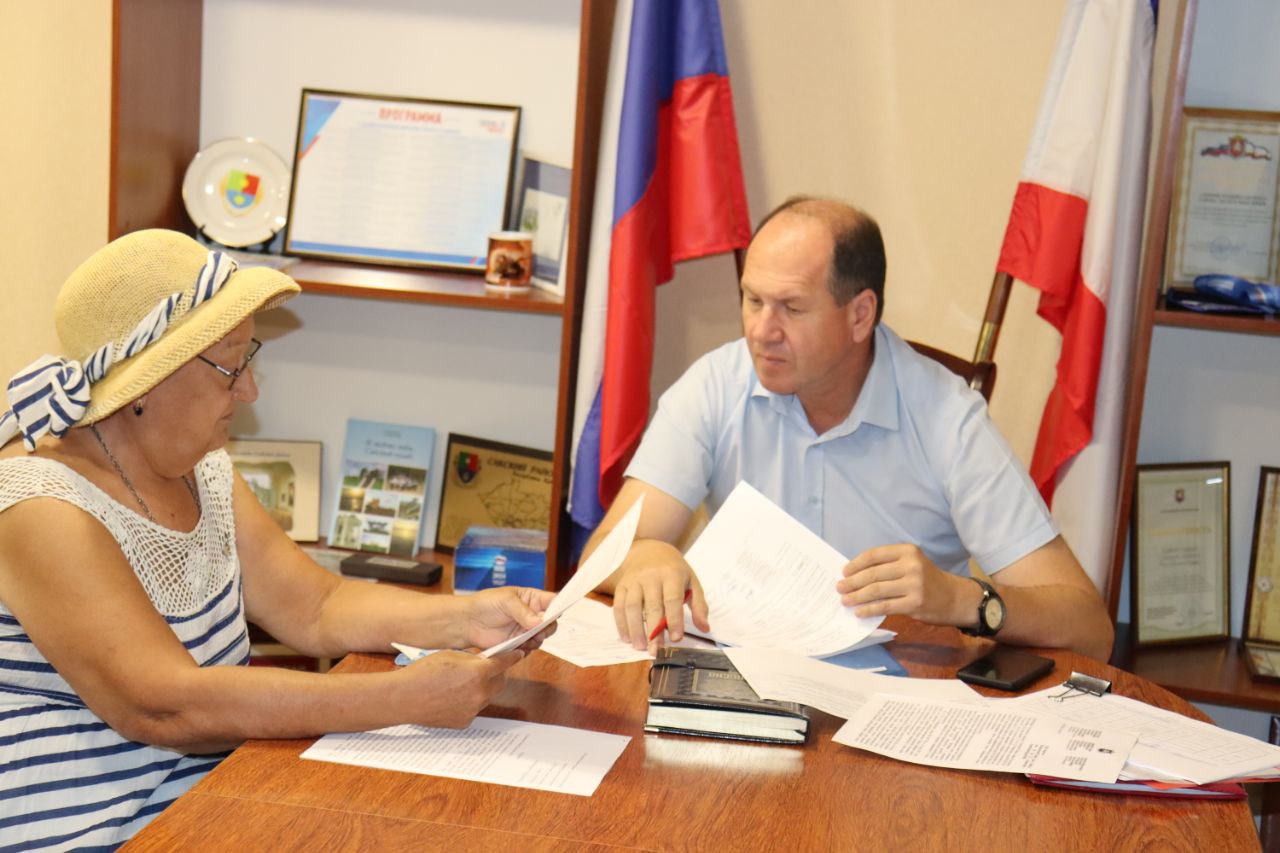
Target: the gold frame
pixel 1181 546
pixel 528 473
pixel 1236 124
pixel 1264 564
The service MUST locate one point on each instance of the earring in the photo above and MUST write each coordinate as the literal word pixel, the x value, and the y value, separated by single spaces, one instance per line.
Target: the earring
pixel 137 409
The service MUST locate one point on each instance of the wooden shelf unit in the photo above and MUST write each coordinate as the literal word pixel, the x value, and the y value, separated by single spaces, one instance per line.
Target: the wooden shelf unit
pixel 1212 672
pixel 1241 324
pixel 156 120
pixel 457 289
pixel 1164 151
pixel 155 112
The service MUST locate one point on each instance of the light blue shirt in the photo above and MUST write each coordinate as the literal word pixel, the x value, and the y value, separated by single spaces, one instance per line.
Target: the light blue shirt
pixel 917 460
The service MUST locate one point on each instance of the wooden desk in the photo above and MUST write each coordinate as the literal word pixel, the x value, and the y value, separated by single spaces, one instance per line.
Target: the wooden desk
pixel 680 793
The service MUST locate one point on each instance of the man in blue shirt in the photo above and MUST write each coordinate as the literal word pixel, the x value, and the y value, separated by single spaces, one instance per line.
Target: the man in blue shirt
pixel 882 452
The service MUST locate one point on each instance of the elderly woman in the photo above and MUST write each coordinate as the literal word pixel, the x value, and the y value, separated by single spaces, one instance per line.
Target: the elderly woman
pixel 131 555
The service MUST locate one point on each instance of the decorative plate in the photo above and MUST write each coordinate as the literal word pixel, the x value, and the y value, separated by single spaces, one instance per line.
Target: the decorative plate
pixel 237 191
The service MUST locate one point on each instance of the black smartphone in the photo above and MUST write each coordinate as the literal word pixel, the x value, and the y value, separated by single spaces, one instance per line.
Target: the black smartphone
pixel 1005 669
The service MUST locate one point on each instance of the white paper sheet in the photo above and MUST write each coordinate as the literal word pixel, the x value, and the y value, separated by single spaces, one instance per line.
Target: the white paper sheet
pixel 1169 744
pixel 837 690
pixel 604 561
pixel 770 582
pixel 971 736
pixel 586 635
pixel 501 752
pixel 409 654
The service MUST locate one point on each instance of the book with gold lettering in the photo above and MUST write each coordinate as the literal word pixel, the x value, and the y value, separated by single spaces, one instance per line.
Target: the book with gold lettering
pixel 699 692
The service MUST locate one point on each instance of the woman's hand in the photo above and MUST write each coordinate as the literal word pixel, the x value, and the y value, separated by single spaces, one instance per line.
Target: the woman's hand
pixel 450 688
pixel 494 615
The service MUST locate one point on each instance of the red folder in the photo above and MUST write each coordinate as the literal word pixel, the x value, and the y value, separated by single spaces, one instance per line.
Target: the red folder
pixel 1212 791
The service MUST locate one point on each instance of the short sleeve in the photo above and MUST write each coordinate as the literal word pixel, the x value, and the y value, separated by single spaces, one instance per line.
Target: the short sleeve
pixel 997 511
pixel 677 452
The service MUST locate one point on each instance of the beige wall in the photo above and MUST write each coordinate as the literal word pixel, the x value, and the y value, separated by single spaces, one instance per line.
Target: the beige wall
pixel 55 96
pixel 919 111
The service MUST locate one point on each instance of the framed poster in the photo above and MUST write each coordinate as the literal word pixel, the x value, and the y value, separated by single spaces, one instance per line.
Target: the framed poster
pixel 382 488
pixel 1180 552
pixel 491 484
pixel 403 181
pixel 285 478
pixel 542 209
pixel 1226 188
pixel 1261 635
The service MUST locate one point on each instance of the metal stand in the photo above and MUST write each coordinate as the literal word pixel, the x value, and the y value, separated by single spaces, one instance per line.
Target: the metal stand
pixel 257 248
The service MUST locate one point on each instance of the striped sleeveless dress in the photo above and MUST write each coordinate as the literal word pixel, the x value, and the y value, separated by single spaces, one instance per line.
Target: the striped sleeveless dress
pixel 67 780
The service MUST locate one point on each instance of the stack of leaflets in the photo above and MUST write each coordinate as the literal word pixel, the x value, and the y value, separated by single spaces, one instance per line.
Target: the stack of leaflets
pixel 499 556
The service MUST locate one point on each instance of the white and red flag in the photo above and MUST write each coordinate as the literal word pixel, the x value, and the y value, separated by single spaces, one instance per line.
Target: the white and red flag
pixel 1075 235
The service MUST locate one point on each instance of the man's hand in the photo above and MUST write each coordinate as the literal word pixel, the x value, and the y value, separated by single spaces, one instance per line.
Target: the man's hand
pixel 901 579
pixel 494 615
pixel 651 585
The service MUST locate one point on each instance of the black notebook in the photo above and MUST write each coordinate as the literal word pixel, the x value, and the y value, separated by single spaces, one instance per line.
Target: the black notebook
pixel 699 692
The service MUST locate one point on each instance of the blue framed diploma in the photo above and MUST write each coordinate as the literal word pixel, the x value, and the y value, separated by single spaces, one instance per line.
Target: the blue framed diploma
pixel 402 181
pixel 542 209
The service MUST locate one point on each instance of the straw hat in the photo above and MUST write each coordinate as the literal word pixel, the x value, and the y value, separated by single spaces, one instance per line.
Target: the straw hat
pixel 113 291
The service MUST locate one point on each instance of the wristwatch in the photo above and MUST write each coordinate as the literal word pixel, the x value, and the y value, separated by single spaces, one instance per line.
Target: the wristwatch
pixel 990 612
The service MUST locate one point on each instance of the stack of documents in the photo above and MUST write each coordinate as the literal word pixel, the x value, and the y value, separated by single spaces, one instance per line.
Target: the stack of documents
pixel 1093 740
pixel 1172 751
pixel 770 582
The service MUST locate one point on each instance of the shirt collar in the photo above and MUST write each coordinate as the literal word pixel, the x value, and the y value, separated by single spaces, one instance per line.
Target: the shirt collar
pixel 877 403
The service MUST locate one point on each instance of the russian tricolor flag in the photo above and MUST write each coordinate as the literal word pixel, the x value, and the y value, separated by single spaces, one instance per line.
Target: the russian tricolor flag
pixel 677 194
pixel 1075 234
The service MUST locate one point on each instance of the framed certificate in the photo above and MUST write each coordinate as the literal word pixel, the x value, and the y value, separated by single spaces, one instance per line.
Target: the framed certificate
pixel 399 181
pixel 1261 636
pixel 1180 552
pixel 1224 211
pixel 542 209
pixel 285 478
pixel 491 484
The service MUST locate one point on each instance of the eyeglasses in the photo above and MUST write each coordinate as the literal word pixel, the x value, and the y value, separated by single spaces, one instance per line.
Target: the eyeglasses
pixel 254 346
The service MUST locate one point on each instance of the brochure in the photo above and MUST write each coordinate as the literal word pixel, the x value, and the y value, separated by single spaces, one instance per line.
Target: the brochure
pixel 382 487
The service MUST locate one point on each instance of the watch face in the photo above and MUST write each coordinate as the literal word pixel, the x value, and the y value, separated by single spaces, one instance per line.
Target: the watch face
pixel 993 613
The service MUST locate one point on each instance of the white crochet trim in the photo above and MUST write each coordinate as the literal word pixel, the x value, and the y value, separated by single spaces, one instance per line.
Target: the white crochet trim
pixel 179 571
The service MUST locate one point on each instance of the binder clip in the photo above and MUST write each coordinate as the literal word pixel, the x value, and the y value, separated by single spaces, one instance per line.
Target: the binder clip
pixel 1080 684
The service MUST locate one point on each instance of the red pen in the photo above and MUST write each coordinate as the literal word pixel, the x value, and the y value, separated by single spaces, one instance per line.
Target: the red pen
pixel 662 623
